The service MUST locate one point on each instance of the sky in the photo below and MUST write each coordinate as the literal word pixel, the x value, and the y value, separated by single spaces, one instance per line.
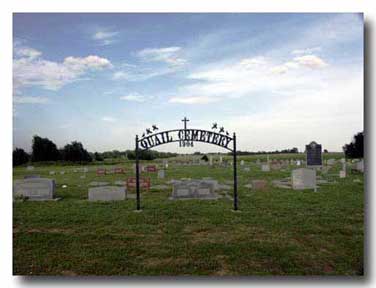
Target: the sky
pixel 277 80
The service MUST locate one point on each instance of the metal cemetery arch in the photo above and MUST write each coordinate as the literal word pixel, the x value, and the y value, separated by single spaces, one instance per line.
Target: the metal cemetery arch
pixel 185 137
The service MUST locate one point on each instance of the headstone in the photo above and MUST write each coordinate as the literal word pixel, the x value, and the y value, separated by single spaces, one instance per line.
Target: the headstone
pixel 62 172
pixel 161 174
pixel 342 174
pixel 313 154
pixel 144 183
pixel 247 169
pixel 52 172
pixel 211 160
pixel 82 176
pixel 37 189
pixel 275 166
pixel 360 166
pixel 298 163
pixel 119 170
pixel 151 168
pixel 241 162
pixel 107 193
pixel 303 178
pixel 220 159
pixel 265 167
pixel 30 168
pixel 259 184
pixel 187 189
pixel 85 170
pixel 165 163
pixel 101 171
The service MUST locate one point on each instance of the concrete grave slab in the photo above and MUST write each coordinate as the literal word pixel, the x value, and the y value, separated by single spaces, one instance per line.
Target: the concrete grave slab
pixel 303 178
pixel 35 189
pixel 107 193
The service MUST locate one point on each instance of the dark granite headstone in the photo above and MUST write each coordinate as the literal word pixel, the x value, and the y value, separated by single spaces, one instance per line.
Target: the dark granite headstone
pixel 313 151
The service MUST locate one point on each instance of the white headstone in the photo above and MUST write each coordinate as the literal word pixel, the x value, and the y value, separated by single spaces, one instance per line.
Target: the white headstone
pixel 265 167
pixel 342 174
pixel 35 188
pixel 241 162
pixel 52 173
pixel 107 193
pixel 161 174
pixel 360 165
pixel 210 160
pixel 30 168
pixel 220 159
pixel 303 178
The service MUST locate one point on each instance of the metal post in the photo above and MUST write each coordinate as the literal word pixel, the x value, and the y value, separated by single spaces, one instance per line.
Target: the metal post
pixel 137 176
pixel 235 177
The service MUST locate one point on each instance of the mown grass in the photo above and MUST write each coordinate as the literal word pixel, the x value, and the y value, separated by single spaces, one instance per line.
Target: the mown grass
pixel 276 232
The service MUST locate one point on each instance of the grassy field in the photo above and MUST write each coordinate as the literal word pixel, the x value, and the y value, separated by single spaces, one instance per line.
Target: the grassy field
pixel 276 232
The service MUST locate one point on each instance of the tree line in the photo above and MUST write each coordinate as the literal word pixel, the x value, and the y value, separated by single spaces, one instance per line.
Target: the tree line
pixel 43 150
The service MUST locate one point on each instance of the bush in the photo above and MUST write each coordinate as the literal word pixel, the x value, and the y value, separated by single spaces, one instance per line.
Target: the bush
pixel 20 157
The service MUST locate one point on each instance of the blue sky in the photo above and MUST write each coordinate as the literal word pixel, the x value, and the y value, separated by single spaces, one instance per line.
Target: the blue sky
pixel 277 80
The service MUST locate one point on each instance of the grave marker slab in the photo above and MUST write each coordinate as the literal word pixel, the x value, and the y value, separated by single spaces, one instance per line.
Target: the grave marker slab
pixel 36 189
pixel 313 154
pixel 259 185
pixel 303 178
pixel 161 174
pixel 107 193
pixel 101 172
pixel 265 167
pixel 151 168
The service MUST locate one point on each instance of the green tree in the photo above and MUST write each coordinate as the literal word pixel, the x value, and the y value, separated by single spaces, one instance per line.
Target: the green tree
pixel 20 157
pixel 75 152
pixel 205 158
pixel 355 149
pixel 44 150
pixel 98 157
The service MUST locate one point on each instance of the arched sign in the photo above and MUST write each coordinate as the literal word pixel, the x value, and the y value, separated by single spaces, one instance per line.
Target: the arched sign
pixel 186 138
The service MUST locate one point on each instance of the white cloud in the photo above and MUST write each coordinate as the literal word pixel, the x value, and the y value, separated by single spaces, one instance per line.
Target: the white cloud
pixel 50 75
pixel 311 61
pixel 89 62
pixel 27 52
pixel 29 100
pixel 194 100
pixel 329 115
pixel 105 37
pixel 121 75
pixel 133 97
pixel 247 77
pixel 108 119
pixel 169 55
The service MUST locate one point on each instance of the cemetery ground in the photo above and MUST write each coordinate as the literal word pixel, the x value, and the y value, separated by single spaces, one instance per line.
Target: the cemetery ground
pixel 276 232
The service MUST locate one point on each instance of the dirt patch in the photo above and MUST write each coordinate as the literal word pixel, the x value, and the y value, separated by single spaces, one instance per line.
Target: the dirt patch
pixel 225 270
